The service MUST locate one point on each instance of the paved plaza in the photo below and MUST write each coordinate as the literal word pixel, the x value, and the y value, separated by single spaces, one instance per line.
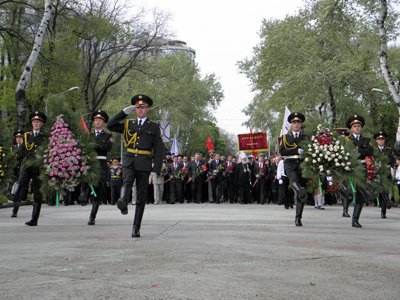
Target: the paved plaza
pixel 200 251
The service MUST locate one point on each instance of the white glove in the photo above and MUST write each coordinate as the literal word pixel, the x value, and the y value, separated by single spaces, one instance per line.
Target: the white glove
pixel 300 151
pixel 128 110
pixel 280 181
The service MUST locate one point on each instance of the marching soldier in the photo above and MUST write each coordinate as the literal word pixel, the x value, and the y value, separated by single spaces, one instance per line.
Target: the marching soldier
pixel 355 124
pixel 32 140
pixel 291 152
pixel 104 144
pixel 18 151
pixel 142 139
pixel 383 150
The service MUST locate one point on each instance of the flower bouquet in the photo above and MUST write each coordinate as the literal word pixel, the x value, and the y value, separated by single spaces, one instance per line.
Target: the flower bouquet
pixel 327 154
pixel 261 173
pixel 180 174
pixel 377 174
pixel 199 171
pixel 219 170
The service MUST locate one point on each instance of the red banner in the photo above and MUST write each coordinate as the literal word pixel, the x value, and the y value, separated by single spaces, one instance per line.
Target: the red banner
pixel 256 141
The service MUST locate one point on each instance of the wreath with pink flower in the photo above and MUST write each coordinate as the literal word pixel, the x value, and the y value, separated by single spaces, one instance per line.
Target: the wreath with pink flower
pixel 66 162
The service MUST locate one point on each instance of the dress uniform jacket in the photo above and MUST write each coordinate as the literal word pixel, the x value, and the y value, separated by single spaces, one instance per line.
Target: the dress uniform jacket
pixel 148 138
pixel 389 154
pixel 31 143
pixel 103 144
pixel 289 149
pixel 363 146
pixel 19 153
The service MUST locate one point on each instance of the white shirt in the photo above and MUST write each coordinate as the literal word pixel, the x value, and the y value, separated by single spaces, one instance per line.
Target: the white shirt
pixel 280 170
pixel 143 120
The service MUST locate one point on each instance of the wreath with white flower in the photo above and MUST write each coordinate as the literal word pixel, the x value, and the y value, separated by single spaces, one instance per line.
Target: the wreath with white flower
pixel 327 154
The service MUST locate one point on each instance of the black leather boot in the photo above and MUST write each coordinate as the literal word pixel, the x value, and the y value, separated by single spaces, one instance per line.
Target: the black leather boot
pixel 346 208
pixel 15 210
pixel 138 220
pixel 384 202
pixel 299 212
pixel 35 214
pixel 82 199
pixel 356 216
pixel 300 192
pixel 122 202
pixel 93 213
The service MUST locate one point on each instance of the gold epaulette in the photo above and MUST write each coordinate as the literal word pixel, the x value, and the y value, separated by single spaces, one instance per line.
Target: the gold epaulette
pixel 287 145
pixel 28 146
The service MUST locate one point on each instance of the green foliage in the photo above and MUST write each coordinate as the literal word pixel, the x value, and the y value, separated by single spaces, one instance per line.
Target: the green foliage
pixel 95 46
pixel 328 46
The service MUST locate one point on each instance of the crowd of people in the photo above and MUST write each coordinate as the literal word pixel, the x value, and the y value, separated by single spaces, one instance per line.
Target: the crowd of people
pixel 145 174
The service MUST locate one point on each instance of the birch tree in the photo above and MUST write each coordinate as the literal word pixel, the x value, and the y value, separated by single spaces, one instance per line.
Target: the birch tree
pixel 27 72
pixel 384 64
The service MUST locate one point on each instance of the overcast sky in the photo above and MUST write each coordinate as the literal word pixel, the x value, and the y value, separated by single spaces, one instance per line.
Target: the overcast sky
pixel 224 32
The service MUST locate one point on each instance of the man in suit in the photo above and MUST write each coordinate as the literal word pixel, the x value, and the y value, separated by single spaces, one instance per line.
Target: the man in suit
pixel 231 179
pixel 187 185
pixel 142 140
pixel 382 150
pixel 32 140
pixel 252 164
pixel 195 172
pixel 104 144
pixel 355 124
pixel 175 183
pixel 291 151
pixel 260 171
pixel 217 178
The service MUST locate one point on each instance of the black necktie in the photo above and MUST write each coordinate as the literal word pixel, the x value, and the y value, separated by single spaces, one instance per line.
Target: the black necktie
pixel 296 135
pixel 97 133
pixel 140 123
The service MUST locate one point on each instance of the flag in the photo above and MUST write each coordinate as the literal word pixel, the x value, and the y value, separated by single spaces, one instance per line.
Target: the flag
pixel 209 144
pixel 83 125
pixel 165 129
pixel 286 124
pixel 175 146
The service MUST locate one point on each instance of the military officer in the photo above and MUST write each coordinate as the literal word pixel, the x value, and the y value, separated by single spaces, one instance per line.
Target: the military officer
pixel 32 140
pixel 383 150
pixel 142 140
pixel 104 142
pixel 355 124
pixel 291 152
pixel 17 149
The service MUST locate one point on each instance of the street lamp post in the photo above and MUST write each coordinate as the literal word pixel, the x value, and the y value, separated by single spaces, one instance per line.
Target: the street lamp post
pixel 74 88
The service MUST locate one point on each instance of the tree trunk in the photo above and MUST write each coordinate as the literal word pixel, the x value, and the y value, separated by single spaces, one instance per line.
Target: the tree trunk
pixel 384 62
pixel 27 73
pixel 332 104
